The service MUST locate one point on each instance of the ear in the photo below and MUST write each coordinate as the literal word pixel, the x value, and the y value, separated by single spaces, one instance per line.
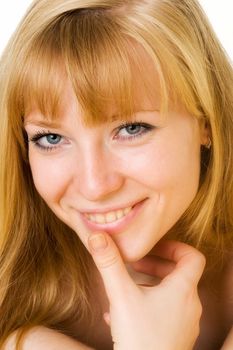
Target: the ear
pixel 205 132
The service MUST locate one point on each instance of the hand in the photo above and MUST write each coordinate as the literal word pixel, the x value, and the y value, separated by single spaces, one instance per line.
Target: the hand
pixel 164 317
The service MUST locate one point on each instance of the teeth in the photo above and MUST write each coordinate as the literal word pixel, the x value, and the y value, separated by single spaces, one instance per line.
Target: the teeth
pixel 120 214
pixel 108 217
pixel 92 217
pixel 127 210
pixel 99 218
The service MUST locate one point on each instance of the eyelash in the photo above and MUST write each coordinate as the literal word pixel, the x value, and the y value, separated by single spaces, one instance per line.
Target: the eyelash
pixel 146 128
pixel 39 135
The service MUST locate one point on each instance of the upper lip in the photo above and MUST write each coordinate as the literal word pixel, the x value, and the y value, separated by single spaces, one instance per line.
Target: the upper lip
pixel 110 209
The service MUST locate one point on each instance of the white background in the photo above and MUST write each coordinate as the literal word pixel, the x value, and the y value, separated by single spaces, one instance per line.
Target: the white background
pixel 220 14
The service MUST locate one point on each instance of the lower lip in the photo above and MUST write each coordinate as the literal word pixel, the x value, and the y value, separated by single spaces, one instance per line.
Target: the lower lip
pixel 116 226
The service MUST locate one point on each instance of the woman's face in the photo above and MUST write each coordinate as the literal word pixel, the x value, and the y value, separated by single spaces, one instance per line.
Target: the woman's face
pixel 133 181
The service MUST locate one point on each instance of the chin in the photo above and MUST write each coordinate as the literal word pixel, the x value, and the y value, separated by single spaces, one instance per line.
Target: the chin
pixel 133 250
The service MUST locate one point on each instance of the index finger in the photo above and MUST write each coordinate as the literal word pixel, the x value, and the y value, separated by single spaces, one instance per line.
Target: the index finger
pixel 117 281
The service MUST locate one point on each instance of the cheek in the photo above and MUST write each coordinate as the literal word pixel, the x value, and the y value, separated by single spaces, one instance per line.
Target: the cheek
pixel 172 167
pixel 50 177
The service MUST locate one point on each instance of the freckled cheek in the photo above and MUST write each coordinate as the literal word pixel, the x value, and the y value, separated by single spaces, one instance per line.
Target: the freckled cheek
pixel 50 178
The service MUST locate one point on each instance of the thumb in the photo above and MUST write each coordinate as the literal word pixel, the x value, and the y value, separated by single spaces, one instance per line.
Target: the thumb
pixel 109 262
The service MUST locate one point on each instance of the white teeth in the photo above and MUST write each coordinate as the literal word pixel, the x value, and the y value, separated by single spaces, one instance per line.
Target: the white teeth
pixel 99 218
pixel 127 210
pixel 120 214
pixel 92 217
pixel 108 217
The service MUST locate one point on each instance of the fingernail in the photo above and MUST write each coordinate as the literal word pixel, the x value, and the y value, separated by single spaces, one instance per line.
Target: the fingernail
pixel 98 242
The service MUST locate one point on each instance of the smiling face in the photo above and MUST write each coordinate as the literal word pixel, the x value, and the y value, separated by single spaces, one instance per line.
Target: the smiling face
pixel 133 180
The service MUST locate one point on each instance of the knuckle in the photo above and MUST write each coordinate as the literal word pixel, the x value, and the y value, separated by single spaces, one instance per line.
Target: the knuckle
pixel 196 254
pixel 107 261
pixel 202 260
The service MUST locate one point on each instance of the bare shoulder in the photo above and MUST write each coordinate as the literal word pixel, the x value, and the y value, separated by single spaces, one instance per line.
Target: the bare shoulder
pixel 47 339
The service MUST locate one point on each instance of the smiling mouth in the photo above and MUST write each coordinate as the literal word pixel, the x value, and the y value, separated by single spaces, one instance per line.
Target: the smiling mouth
pixel 114 221
pixel 109 217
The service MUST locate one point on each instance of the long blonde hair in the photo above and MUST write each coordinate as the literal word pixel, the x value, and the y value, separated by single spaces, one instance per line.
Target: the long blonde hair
pixel 93 43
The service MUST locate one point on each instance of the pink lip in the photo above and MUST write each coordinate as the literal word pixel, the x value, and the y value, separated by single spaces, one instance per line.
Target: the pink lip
pixel 117 226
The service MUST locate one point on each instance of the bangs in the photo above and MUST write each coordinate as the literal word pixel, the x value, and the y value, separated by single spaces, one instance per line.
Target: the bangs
pixel 105 67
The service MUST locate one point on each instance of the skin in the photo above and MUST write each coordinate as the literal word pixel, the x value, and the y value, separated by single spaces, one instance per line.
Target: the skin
pixel 163 170
pixel 89 170
pixel 106 167
pixel 165 316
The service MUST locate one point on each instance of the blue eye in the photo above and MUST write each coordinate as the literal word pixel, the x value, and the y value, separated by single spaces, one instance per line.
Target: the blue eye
pixel 130 131
pixel 53 139
pixel 133 129
pixel 45 140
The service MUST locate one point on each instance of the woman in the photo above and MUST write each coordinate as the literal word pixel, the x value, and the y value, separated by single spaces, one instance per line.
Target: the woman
pixel 116 145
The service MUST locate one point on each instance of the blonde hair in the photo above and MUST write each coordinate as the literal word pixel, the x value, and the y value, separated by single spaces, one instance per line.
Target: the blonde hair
pixel 94 44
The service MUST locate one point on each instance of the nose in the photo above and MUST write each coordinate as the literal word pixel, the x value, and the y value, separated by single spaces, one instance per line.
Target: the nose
pixel 99 175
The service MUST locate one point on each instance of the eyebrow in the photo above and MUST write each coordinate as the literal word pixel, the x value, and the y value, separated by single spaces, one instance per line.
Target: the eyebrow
pixel 43 123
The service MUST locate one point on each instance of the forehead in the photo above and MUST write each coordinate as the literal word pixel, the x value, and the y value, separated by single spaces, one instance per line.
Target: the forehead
pixel 143 91
pixel 106 67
